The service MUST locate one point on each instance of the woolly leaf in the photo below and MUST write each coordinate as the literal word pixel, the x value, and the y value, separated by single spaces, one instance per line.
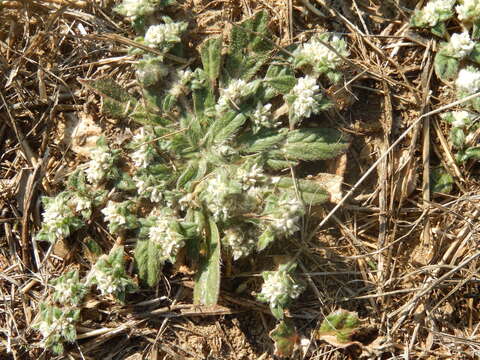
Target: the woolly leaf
pixel 282 84
pixel 265 239
pixel 473 153
pixel 226 126
pixel 476 30
pixel 251 34
pixel 285 337
pixel 311 192
pixel 314 144
pixel 475 54
pixel 242 66
pixel 446 67
pixel 439 30
pixel 207 280
pixel 148 261
pixel 442 181
pixel 457 137
pixel 265 139
pixel 279 164
pixel 211 54
pixel 187 175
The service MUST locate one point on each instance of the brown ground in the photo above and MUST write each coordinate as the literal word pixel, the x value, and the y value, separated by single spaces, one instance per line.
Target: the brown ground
pixel 405 260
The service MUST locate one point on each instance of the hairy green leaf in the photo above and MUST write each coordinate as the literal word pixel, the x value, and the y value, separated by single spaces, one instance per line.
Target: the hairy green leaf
pixel 226 126
pixel 338 327
pixel 442 181
pixel 310 191
pixel 264 140
pixel 207 280
pixel 148 261
pixel 314 144
pixel 446 67
pixel 211 54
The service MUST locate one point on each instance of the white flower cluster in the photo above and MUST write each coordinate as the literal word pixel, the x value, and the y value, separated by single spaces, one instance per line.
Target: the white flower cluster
pixel 136 8
pixel 145 153
pixel 58 325
pixel 225 197
pixel 468 10
pixel 147 189
pixel 286 218
pixel 461 118
pixel 251 177
pixel 236 90
pixel 436 11
pixel 219 197
pixel 163 35
pixel 105 281
pixel 262 117
pixel 81 203
pixel 460 45
pixel 55 215
pixel 65 290
pixel 98 166
pixel 305 93
pixel 112 213
pixel 170 241
pixel 468 81
pixel 182 79
pixel 240 241
pixel 318 55
pixel 279 287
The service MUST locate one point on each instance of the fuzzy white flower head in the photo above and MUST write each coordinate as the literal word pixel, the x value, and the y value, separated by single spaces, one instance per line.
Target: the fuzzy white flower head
pixel 161 35
pixel 305 92
pixel 170 241
pixel 112 215
pixel 277 286
pixel 251 177
pixel 136 8
pixel 182 79
pixel 461 118
pixel 106 283
pixel 144 154
pixel 468 81
pixel 318 54
pixel 56 210
pixel 286 220
pixel 240 241
pixel 436 10
pixel 468 10
pixel 231 94
pixel 81 203
pixel 461 45
pixel 262 117
pixel 98 165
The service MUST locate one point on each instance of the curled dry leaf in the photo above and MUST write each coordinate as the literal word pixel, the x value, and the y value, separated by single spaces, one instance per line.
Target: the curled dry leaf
pixel 81 132
pixel 285 339
pixel 338 327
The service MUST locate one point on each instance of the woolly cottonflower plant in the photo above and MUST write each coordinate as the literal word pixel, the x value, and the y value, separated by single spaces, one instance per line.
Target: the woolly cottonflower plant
pixel 206 175
pixel 279 289
pixel 433 15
